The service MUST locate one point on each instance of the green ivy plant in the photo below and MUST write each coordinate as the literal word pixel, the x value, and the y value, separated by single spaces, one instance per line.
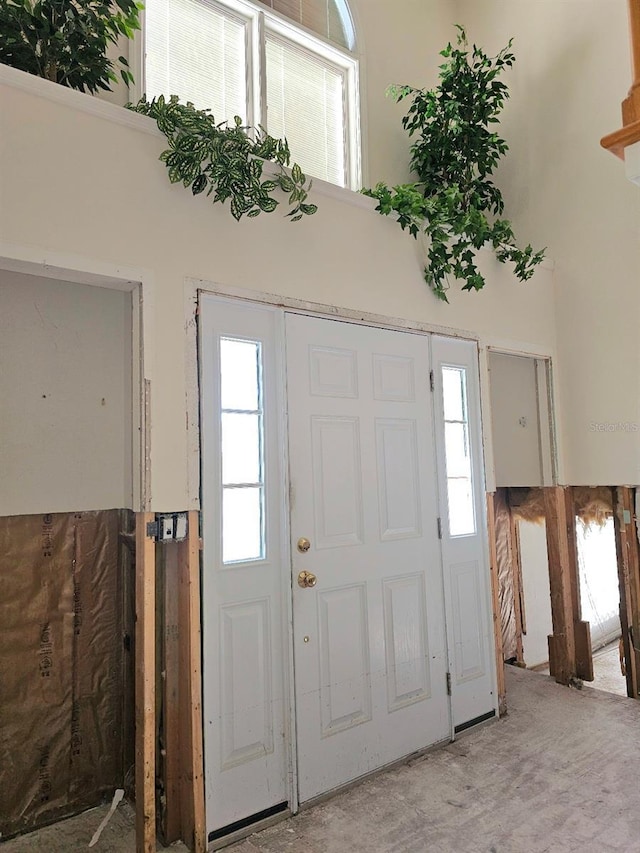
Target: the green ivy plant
pixel 454 154
pixel 66 41
pixel 227 160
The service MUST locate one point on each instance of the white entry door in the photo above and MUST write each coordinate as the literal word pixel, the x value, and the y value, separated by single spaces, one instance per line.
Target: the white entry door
pixel 369 636
pixel 464 535
pixel 245 566
pixel 349 412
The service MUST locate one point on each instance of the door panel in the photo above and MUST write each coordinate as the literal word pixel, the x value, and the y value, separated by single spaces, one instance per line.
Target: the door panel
pixel 245 563
pixel 369 638
pixel 407 648
pixel 337 479
pixel 345 684
pixel 464 538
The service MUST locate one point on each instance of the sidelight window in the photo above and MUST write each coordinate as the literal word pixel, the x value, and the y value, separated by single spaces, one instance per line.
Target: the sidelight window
pixel 458 452
pixel 242 431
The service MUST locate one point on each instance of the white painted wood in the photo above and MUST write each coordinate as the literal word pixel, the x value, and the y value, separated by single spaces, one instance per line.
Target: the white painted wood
pixel 465 560
pixel 369 639
pixel 244 604
pixel 546 422
pixel 515 418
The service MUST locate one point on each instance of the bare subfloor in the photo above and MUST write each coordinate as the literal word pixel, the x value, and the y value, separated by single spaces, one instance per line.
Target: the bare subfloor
pixel 558 774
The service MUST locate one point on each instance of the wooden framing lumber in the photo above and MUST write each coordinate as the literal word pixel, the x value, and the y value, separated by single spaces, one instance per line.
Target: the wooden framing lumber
pixel 495 599
pixel 192 805
pixel 145 710
pixel 581 630
pixel 629 581
pixel 629 134
pixel 518 599
pixel 584 654
pixel 171 752
pixel 561 551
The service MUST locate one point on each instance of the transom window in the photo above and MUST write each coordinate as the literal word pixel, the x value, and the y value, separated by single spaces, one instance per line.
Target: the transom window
pixel 245 58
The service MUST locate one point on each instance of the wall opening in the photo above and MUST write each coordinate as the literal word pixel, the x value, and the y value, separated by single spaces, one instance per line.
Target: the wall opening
pixel 600 602
pixel 68 485
pixel 567 578
pixel 521 420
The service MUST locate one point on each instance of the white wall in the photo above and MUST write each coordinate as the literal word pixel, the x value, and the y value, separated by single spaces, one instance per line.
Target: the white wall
pixel 74 183
pixel 515 421
pixel 535 588
pixel 564 191
pixel 65 387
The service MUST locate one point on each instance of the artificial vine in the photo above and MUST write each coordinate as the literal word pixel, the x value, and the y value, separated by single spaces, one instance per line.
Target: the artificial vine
pixel 227 160
pixel 454 201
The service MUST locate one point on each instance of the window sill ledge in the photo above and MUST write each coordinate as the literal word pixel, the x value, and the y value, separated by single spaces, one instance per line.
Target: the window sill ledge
pixel 82 102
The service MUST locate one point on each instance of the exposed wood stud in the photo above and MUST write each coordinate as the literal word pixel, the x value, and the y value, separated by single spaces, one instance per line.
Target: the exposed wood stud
pixel 192 767
pixel 145 687
pixel 561 551
pixel 518 605
pixel 495 599
pixel 171 709
pixel 629 582
pixel 581 630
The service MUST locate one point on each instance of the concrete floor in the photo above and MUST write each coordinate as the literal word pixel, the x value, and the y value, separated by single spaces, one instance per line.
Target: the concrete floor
pixel 557 775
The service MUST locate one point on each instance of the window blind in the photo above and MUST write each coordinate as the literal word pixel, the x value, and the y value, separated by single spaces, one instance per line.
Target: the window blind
pixel 328 18
pixel 305 104
pixel 197 52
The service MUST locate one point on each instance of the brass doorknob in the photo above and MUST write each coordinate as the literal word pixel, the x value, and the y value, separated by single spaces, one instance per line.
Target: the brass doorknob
pixel 307 580
pixel 303 545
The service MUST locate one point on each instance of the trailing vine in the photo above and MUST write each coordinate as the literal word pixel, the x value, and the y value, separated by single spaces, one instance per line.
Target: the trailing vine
pixel 454 201
pixel 227 160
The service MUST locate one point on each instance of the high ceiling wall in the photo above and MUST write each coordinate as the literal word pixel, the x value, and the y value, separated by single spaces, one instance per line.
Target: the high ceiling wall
pixel 564 191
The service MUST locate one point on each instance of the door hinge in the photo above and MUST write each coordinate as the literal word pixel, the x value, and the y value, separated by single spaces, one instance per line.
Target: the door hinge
pixel 448 684
pixel 432 381
pixel 439 520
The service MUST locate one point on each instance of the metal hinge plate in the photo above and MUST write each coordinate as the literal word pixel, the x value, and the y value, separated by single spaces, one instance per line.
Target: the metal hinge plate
pixel 448 684
pixel 168 527
pixel 439 521
pixel 432 381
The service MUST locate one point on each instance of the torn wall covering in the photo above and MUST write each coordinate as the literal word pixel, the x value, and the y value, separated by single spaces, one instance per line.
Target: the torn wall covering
pixel 505 569
pixel 64 729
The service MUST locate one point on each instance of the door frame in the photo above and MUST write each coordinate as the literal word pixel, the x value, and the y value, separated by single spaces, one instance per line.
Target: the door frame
pixel 193 290
pixel 29 260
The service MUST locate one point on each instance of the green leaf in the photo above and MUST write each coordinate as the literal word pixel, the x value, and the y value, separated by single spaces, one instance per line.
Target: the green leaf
pixel 454 151
pixel 221 159
pixel 199 184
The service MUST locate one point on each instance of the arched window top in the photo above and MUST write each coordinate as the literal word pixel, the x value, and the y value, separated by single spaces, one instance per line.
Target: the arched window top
pixel 330 19
pixel 243 58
